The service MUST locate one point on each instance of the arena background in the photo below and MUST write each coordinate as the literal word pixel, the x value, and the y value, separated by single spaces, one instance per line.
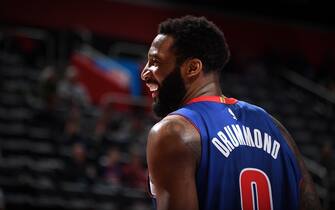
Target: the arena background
pixel 74 114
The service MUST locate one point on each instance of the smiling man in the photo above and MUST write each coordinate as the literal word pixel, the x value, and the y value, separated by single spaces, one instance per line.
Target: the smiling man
pixel 210 152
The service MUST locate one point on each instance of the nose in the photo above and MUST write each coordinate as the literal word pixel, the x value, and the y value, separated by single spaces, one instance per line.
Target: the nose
pixel 145 74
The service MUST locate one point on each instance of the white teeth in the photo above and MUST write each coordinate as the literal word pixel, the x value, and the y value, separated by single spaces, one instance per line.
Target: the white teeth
pixel 152 86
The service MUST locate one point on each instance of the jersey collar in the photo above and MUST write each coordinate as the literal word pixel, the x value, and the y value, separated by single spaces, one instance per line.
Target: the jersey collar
pixel 218 99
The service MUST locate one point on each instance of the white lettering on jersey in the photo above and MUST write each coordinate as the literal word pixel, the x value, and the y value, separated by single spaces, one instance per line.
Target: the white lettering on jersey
pixel 232 137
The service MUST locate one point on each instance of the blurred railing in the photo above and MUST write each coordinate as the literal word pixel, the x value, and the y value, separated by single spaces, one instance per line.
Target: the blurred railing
pixel 316 89
pixel 323 188
pixel 326 99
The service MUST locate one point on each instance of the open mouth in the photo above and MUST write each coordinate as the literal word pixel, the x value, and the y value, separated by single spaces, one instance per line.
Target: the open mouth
pixel 153 88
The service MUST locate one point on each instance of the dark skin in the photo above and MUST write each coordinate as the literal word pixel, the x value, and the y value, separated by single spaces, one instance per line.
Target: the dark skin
pixel 174 144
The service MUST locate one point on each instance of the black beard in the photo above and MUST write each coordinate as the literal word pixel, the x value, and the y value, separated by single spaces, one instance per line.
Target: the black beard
pixel 171 93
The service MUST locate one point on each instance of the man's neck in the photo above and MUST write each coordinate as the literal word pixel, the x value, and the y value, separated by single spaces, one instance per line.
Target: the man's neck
pixel 207 85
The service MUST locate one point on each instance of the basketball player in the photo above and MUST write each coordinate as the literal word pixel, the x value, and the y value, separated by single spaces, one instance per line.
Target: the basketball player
pixel 210 152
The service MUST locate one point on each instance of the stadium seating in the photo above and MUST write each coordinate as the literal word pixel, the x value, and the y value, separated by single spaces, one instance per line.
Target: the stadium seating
pixel 34 153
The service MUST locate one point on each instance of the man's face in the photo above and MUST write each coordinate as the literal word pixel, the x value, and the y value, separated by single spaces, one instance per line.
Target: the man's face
pixel 163 77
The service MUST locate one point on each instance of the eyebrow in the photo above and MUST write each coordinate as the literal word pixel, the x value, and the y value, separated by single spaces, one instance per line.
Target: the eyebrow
pixel 156 56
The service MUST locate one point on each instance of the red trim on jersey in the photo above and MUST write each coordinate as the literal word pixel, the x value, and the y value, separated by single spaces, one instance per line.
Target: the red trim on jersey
pixel 218 99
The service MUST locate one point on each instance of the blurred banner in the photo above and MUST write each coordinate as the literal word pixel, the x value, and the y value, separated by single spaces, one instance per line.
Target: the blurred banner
pixel 103 75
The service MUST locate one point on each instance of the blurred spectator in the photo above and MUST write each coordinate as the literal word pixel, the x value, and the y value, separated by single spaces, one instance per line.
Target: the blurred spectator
pixel 48 87
pixel 48 113
pixel 107 112
pixel 71 91
pixel 134 173
pixel 139 123
pixel 109 121
pixel 79 168
pixel 111 167
pixel 72 128
pixel 72 125
pixel 99 137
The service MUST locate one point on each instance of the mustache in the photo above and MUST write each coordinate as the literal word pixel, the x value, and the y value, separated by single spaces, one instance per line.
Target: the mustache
pixel 152 81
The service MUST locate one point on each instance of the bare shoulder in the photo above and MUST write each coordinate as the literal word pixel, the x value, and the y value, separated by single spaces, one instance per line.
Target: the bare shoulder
pixel 176 132
pixel 172 163
pixel 173 125
pixel 309 199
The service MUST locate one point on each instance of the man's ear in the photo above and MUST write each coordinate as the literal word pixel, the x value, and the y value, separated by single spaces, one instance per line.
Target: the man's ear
pixel 193 67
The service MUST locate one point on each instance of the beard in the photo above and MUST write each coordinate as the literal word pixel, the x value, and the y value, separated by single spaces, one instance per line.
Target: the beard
pixel 171 93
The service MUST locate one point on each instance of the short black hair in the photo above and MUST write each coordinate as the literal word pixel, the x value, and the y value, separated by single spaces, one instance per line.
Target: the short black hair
pixel 196 37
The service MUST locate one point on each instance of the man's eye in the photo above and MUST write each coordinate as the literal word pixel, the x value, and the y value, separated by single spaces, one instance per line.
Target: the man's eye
pixel 155 62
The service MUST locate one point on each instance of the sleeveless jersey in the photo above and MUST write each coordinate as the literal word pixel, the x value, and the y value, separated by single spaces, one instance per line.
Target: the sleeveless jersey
pixel 245 161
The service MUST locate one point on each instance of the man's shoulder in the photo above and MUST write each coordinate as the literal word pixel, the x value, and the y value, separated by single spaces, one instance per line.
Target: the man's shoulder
pixel 252 110
pixel 171 125
pixel 250 106
pixel 173 136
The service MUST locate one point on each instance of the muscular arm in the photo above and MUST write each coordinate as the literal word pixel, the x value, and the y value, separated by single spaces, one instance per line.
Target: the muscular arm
pixel 309 199
pixel 172 163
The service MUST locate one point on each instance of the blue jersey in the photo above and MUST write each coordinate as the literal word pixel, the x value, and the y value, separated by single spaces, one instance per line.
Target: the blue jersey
pixel 245 161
